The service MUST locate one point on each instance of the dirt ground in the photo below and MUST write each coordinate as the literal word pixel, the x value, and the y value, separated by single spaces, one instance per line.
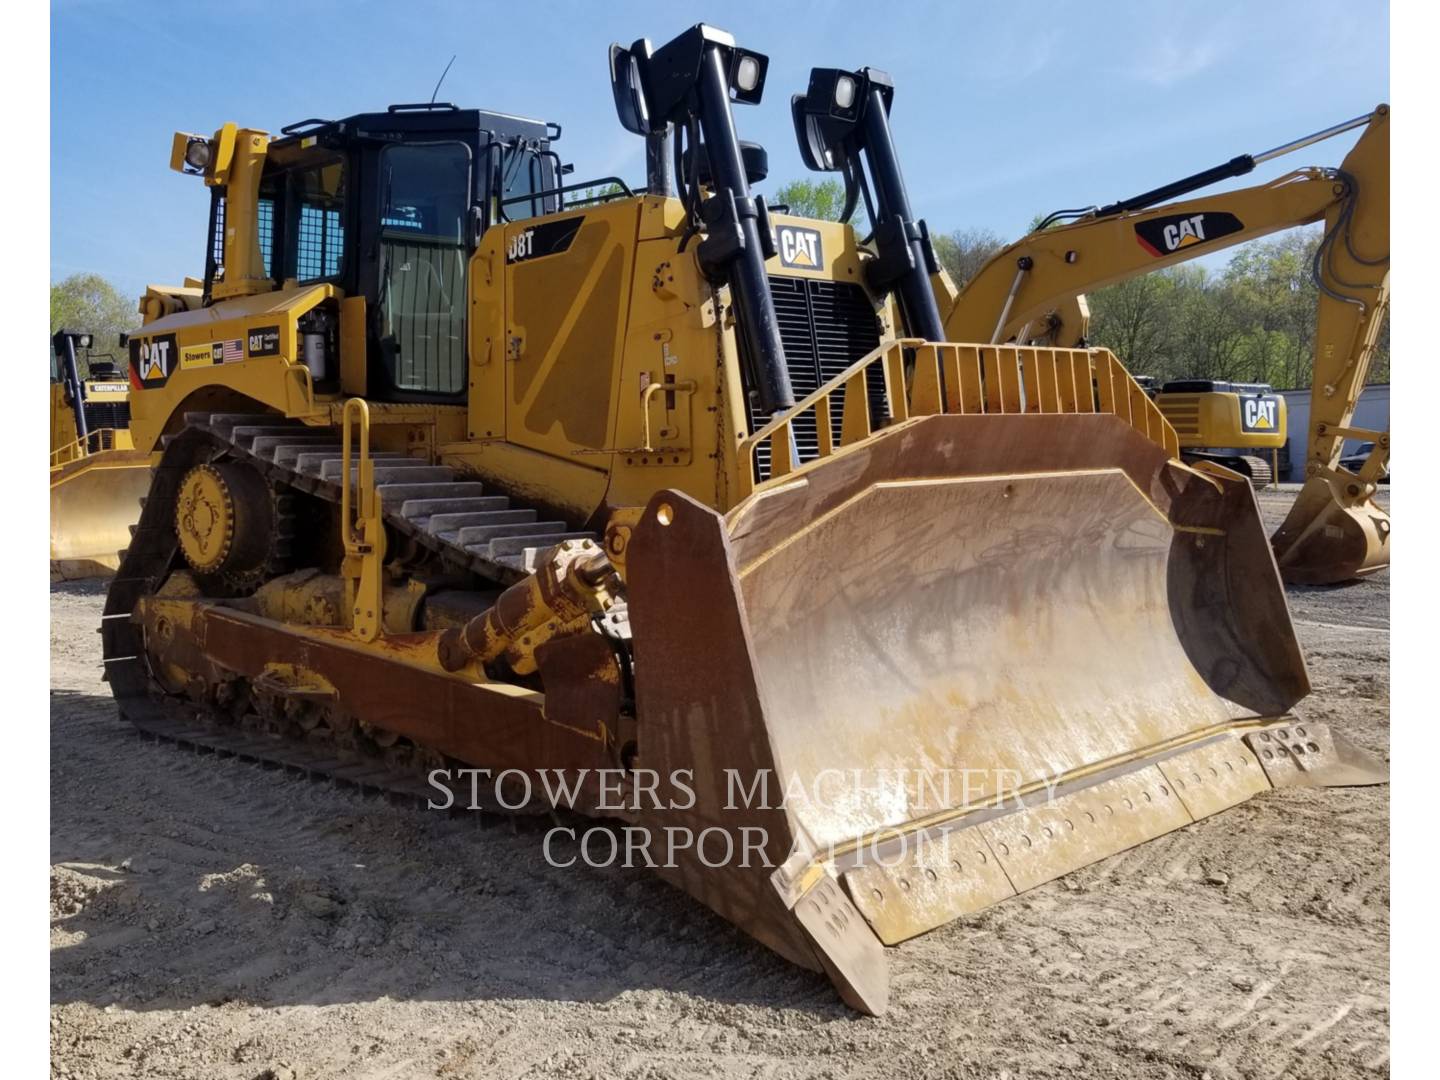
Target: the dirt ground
pixel 215 920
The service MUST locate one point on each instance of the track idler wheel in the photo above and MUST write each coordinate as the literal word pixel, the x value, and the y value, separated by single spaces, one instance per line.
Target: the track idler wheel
pixel 225 522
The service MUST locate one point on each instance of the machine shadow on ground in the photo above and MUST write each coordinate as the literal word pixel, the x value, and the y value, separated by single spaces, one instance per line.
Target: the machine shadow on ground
pixel 295 908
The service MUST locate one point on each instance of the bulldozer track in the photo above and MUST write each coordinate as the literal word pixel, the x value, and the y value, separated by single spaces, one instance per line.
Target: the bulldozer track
pixel 168 722
pixel 426 503
pixel 462 521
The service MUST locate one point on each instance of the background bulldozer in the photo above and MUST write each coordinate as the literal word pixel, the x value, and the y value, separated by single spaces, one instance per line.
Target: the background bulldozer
pixel 97 478
pixel 667 495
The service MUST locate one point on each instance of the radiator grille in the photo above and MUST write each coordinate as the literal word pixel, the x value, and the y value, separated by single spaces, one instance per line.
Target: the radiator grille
pixel 107 414
pixel 825 327
pixel 1183 412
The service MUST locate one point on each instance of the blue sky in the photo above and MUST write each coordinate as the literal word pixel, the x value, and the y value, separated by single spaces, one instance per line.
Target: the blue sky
pixel 1002 111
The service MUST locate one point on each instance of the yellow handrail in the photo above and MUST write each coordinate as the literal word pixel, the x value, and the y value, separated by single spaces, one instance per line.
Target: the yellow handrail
pixel 362 527
pixel 928 378
pixel 684 386
pixel 92 443
pixel 306 381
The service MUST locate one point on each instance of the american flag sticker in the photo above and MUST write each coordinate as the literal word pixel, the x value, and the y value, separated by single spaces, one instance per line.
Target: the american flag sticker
pixel 232 350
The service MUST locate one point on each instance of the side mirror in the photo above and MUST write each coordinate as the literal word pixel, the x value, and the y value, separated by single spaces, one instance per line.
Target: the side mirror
pixel 819 149
pixel 627 83
pixel 652 87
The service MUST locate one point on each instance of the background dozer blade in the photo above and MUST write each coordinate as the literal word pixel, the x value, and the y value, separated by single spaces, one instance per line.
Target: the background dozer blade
pixel 93 503
pixel 1324 542
pixel 967 656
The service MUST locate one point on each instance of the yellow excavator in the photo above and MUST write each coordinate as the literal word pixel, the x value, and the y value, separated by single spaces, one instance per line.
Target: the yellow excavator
pixel 97 478
pixel 663 508
pixel 1241 426
pixel 1032 292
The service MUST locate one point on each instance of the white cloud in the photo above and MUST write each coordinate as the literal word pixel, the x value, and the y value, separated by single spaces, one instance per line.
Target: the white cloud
pixel 1173 60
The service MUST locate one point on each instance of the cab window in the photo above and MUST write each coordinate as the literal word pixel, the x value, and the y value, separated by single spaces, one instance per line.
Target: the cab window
pixel 424 215
pixel 522 174
pixel 315 198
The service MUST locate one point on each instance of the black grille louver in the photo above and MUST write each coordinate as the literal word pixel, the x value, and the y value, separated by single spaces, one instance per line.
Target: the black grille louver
pixel 825 327
pixel 107 414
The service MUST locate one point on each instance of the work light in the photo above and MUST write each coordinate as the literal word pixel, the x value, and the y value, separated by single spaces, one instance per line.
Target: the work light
pixel 747 73
pixel 197 153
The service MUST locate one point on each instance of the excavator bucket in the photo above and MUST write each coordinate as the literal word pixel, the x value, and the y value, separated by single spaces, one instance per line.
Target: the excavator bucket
pixel 94 500
pixel 1004 636
pixel 1329 538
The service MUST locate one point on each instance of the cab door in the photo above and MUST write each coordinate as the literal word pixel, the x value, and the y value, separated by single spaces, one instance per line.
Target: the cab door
pixel 423 255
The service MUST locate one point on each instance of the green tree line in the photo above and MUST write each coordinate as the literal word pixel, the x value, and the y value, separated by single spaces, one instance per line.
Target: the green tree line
pixel 89 304
pixel 1254 321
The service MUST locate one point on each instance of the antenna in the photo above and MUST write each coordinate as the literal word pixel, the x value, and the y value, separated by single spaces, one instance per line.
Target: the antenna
pixel 441 80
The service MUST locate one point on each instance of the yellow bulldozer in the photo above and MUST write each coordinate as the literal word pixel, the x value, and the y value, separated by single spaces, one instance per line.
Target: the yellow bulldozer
pixel 1032 292
pixel 97 478
pixel 668 510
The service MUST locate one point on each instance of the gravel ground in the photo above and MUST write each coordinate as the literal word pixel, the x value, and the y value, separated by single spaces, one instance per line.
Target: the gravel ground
pixel 211 919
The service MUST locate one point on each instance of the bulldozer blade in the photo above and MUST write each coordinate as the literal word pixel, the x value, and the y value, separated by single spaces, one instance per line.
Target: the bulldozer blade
pixel 1324 541
pixel 93 503
pixel 1306 754
pixel 948 664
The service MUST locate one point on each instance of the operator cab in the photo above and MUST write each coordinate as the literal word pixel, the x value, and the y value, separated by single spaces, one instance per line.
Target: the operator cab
pixel 389 206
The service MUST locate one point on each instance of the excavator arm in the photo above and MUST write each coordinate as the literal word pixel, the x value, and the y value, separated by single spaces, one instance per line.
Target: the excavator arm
pixel 1033 292
pixel 1336 530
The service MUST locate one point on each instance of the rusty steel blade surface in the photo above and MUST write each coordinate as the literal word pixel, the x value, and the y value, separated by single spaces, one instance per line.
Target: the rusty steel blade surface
pixel 1036 639
pixel 991 602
